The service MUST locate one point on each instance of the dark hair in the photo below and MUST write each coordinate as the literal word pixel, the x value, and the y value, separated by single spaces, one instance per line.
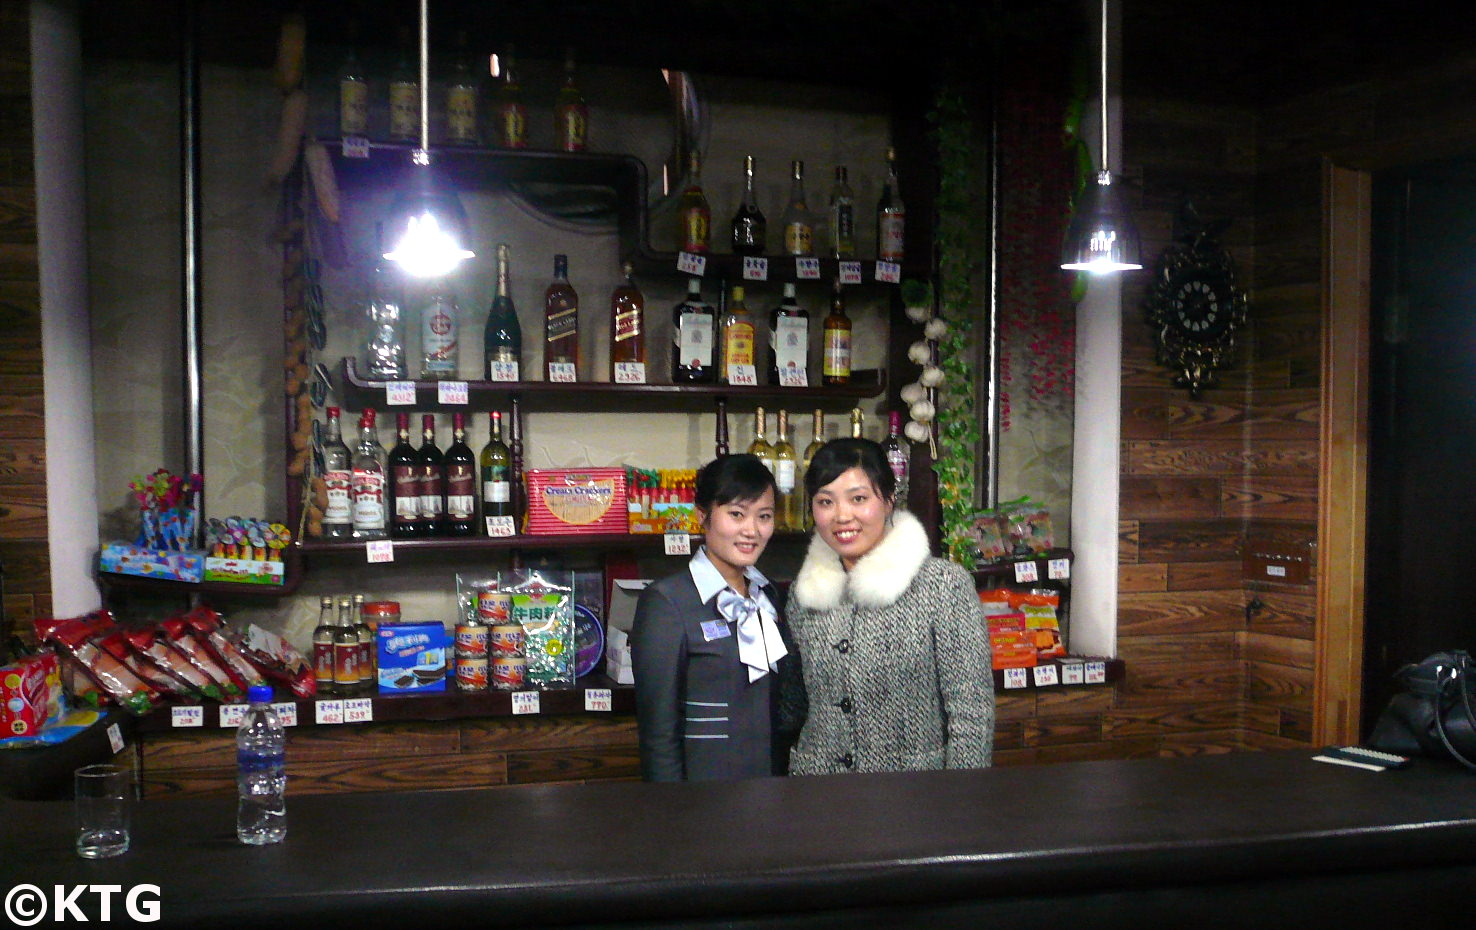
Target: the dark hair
pixel 729 478
pixel 839 456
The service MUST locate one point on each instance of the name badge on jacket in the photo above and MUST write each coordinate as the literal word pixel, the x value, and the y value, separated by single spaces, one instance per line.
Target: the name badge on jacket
pixel 715 629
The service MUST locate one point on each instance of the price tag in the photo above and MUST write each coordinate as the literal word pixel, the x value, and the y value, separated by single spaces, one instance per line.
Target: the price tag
pixel 743 375
pixel 501 527
pixel 1071 673
pixel 328 712
pixel 1026 572
pixel 355 147
pixel 793 377
pixel 1016 678
pixel 630 372
pixel 380 550
pixel 687 263
pixel 503 371
pixel 231 715
pixel 525 702
pixel 850 272
pixel 358 710
pixel 597 699
pixel 890 272
pixel 1058 569
pixel 807 268
pixel 399 393
pixel 562 373
pixel 1045 676
pixel 451 392
pixel 1276 571
pixel 286 713
pixel 678 544
pixel 755 269
pixel 193 716
pixel 1096 673
pixel 115 735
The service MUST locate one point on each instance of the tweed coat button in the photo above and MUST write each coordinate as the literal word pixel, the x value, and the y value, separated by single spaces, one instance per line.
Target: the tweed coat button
pixel 848 761
pixel 843 647
pixel 846 706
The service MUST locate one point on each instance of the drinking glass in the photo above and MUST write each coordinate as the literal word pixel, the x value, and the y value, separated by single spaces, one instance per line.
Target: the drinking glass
pixel 102 800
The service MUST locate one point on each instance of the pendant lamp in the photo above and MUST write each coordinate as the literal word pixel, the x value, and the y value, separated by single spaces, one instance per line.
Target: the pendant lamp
pixel 1101 237
pixel 427 226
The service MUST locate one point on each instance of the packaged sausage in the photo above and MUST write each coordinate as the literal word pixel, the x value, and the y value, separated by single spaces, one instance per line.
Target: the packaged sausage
pixel 162 655
pixel 208 626
pixel 184 639
pixel 275 658
pixel 112 675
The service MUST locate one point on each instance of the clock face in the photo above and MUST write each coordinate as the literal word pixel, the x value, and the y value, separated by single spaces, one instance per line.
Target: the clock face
pixel 1195 309
pixel 1200 307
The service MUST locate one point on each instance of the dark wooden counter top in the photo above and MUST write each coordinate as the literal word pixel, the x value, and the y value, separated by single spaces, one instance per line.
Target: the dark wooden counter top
pixel 1247 839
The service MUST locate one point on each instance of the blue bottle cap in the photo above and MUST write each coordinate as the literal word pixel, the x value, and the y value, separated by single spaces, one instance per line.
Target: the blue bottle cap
pixel 259 694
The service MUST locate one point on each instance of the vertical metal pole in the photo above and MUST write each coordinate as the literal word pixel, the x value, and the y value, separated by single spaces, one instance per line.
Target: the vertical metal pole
pixel 987 479
pixel 192 296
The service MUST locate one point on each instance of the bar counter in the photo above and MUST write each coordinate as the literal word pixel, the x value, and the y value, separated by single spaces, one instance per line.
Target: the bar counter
pixel 1251 839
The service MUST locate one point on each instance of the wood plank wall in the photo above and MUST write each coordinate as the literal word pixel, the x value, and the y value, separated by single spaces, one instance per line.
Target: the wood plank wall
pixel 23 548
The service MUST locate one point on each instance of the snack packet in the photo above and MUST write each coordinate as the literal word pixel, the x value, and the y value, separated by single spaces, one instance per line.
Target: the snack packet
pixel 115 644
pixel 114 679
pixel 163 655
pixel 210 628
pixel 543 602
pixel 184 639
pixel 275 658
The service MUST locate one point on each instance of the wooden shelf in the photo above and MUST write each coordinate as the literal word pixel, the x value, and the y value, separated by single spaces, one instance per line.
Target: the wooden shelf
pixel 998 572
pixel 1114 669
pixel 726 266
pixel 165 587
pixel 459 543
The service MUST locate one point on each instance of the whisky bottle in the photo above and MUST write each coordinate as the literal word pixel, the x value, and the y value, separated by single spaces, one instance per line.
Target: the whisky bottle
pixel 462 95
pixel 353 97
pixel 440 332
pixel 432 479
pixel 404 96
pixel 384 347
pixel 788 508
pixel 627 331
pixel 837 340
pixel 891 216
pixel 404 470
pixel 561 326
pixel 571 116
pixel 461 482
pixel 736 365
pixel 338 476
pixel 693 215
pixel 789 341
pixel 760 446
pixel 368 482
pixel 512 114
pixel 842 217
pixel 749 227
pixel 799 229
pixel 694 338
pixel 497 507
pixel 503 337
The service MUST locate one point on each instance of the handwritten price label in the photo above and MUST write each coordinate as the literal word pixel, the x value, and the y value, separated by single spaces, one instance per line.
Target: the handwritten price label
pixel 1045 676
pixel 525 702
pixel 1058 569
pixel 687 263
pixel 451 392
pixel 597 699
pixel 358 710
pixel 399 393
pixel 380 550
pixel 1096 673
pixel 193 716
pixel 325 712
pixel 562 373
pixel 743 375
pixel 355 147
pixel 1016 678
pixel 231 715
pixel 850 272
pixel 807 268
pixel 287 713
pixel 793 377
pixel 889 272
pixel 755 269
pixel 501 527
pixel 115 738
pixel 678 544
pixel 1026 572
pixel 1071 673
pixel 503 371
pixel 630 372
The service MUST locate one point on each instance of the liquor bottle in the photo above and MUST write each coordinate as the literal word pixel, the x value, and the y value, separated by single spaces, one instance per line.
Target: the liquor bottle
pixel 338 476
pixel 384 347
pixel 842 217
pixel 462 95
pixel 749 228
pixel 837 340
pixel 503 338
pixel 899 456
pixel 353 97
pixel 571 116
pixel 561 325
pixel 788 508
pixel 432 479
pixel 738 343
pixel 404 468
pixel 512 114
pixel 799 228
pixel 694 336
pixel 497 481
pixel 345 651
pixel 367 650
pixel 816 441
pixel 891 217
pixel 789 341
pixel 627 330
pixel 856 419
pixel 404 96
pixel 760 446
pixel 440 333
pixel 461 482
pixel 692 211
pixel 323 647
pixel 368 482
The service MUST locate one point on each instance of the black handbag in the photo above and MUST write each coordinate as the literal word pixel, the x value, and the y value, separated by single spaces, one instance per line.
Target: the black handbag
pixel 1433 715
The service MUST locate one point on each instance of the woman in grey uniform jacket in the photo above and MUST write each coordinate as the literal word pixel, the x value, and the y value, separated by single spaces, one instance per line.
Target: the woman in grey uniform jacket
pixel 708 645
pixel 897 660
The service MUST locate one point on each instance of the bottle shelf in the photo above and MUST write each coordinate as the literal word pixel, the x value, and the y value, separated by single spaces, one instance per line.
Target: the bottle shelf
pixel 1007 572
pixel 598 541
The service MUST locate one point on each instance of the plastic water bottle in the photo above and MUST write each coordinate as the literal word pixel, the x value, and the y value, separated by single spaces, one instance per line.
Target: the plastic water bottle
pixel 261 772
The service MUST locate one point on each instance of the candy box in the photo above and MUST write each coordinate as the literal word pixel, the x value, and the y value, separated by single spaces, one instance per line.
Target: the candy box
pixel 412 657
pixel 245 571
pixel 576 501
pixel 128 559
pixel 30 694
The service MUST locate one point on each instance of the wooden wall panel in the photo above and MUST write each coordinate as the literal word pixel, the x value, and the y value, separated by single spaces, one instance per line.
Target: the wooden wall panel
pixel 1180 612
pixel 1204 576
pixel 1189 541
pixel 1135 579
pixel 1178 647
pixel 1156 684
pixel 1220 457
pixel 1164 498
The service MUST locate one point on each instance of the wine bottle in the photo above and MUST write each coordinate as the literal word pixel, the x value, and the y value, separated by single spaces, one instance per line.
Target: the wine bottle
pixel 816 441
pixel 627 331
pixel 432 479
pixel 461 482
pixel 899 456
pixel 404 96
pixel 404 469
pixel 842 217
pixel 760 446
pixel 338 476
pixel 837 340
pixel 891 216
pixel 799 229
pixel 749 228
pixel 353 96
pixel 462 94
pixel 440 333
pixel 571 116
pixel 694 337
pixel 787 510
pixel 368 481
pixel 693 215
pixel 789 341
pixel 503 337
pixel 561 325
pixel 497 507
pixel 512 114
pixel 736 364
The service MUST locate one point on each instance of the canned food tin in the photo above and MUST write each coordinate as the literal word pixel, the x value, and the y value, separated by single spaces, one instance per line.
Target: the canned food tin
pixel 509 673
pixel 494 607
pixel 507 639
pixel 471 673
pixel 471 639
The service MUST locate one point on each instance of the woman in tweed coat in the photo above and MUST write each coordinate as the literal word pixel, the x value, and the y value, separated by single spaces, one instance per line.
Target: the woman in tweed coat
pixel 896 648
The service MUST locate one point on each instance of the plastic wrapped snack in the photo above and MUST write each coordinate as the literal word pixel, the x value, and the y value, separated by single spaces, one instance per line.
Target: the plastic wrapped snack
pixel 114 679
pixel 162 654
pixel 543 603
pixel 988 539
pixel 211 629
pixel 275 658
pixel 184 639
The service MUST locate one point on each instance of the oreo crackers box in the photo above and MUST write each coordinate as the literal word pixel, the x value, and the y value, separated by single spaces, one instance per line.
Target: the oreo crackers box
pixel 412 657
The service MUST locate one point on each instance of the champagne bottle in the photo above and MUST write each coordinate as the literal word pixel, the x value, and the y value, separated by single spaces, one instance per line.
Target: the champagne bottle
pixel 440 333
pixel 338 476
pixel 891 216
pixel 432 479
pixel 503 337
pixel 738 340
pixel 856 423
pixel 561 325
pixel 749 227
pixel 404 468
pixel 404 96
pixel 627 330
pixel 816 441
pixel 799 229
pixel 788 508
pixel 353 96
pixel 693 214
pixel 837 338
pixel 571 116
pixel 462 95
pixel 842 217
pixel 899 456
pixel 512 114
pixel 789 341
pixel 368 481
pixel 694 338
pixel 760 446
pixel 461 481
pixel 497 507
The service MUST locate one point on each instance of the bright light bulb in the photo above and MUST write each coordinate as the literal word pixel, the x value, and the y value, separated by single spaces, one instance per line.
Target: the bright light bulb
pixel 426 250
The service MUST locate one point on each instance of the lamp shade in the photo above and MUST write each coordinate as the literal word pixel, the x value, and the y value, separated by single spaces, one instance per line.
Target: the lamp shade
pixel 428 228
pixel 1101 237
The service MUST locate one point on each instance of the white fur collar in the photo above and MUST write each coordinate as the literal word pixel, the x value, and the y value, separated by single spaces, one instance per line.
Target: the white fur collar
pixel 880 576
